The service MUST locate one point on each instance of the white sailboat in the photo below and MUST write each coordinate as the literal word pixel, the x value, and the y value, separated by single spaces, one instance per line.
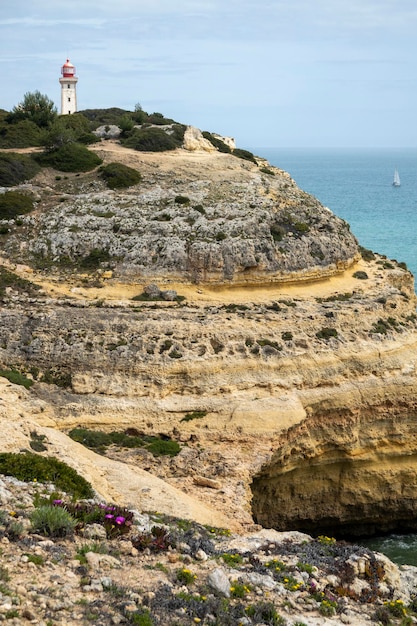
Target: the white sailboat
pixel 396 182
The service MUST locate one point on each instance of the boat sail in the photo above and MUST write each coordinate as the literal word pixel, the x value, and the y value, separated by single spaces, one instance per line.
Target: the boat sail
pixel 396 182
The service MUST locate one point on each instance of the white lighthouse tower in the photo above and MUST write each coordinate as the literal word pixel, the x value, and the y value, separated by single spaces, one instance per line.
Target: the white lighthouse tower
pixel 68 89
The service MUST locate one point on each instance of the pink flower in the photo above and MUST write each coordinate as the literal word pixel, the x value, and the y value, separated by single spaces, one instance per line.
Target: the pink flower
pixel 120 519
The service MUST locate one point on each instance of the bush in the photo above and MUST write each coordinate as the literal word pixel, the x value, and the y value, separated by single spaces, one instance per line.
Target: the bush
pixel 360 275
pixel 52 521
pixel 101 117
pixel 151 140
pixel 161 447
pixel 244 154
pixel 216 142
pixel 36 107
pixel 56 377
pixel 268 342
pixel 28 466
pixel 194 415
pixel 16 378
pixel 24 134
pixel 119 176
pixel 71 157
pixel 95 258
pixel 326 333
pixel 116 520
pixel 182 200
pixel 16 168
pixel 13 203
pixel 366 254
pixel 99 441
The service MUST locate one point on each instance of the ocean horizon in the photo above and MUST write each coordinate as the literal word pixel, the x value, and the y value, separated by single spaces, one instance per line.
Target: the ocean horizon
pixel 356 184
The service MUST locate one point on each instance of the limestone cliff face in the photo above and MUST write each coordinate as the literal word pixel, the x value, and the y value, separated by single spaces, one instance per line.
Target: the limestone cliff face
pixel 300 356
pixel 199 217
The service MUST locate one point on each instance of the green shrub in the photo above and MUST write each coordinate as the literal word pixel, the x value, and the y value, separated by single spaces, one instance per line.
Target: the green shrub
pixel 141 617
pixel 119 176
pixel 16 168
pixel 52 521
pixel 216 142
pixel 159 119
pixel 232 559
pixel 16 378
pixel 36 107
pixel 266 613
pixel 182 200
pixel 301 227
pixel 382 326
pixel 23 134
pixel 366 254
pixel 94 259
pixel 28 466
pixel 162 447
pixel 185 576
pixel 100 441
pixel 101 117
pixel 57 377
pixel 244 154
pixel 95 440
pixel 37 441
pixel 277 232
pixel 266 170
pixel 195 415
pixel 151 140
pixel 116 520
pixel 268 342
pixel 287 336
pixel 14 203
pixel 360 275
pixel 326 333
pixel 71 157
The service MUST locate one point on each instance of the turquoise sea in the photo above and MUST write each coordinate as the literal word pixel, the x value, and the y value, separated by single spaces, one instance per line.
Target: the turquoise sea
pixel 357 186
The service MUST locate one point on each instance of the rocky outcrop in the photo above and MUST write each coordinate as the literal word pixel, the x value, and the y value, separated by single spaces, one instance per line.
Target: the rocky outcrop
pixel 190 221
pixel 164 569
pixel 194 140
pixel 284 361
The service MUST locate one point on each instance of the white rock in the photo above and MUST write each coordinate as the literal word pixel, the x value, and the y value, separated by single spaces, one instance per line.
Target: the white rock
pixel 218 581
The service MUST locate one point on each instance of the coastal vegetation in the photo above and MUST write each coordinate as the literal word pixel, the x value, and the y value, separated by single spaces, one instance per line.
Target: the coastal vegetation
pixel 119 176
pixel 14 203
pixel 100 441
pixel 16 168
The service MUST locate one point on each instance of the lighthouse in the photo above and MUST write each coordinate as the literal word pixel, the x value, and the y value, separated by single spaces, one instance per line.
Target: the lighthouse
pixel 68 89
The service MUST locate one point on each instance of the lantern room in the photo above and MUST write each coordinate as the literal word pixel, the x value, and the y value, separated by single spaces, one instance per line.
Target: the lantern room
pixel 68 70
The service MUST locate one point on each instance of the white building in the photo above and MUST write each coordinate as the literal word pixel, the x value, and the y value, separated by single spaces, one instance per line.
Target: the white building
pixel 68 89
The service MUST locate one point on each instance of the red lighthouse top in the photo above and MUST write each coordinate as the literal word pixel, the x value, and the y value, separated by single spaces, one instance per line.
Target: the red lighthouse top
pixel 68 70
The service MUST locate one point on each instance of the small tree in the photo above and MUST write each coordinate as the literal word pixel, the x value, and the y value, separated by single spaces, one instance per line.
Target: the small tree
pixel 36 107
pixel 126 124
pixel 58 135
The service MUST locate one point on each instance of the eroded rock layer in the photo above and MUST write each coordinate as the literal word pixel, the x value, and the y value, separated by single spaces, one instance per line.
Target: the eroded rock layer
pixel 285 365
pixel 346 470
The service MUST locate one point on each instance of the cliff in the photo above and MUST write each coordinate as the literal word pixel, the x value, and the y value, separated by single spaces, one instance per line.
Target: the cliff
pixel 281 360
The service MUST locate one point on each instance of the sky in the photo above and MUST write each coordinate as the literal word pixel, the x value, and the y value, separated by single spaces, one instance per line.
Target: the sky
pixel 271 73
